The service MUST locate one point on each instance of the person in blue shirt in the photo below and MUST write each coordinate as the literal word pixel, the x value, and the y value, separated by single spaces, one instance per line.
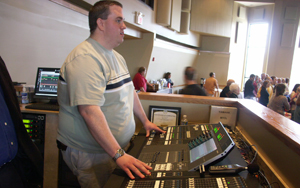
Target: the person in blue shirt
pixel 168 79
pixel 21 163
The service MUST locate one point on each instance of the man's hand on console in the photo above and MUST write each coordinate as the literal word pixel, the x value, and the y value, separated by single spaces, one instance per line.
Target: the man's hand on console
pixel 149 126
pixel 130 164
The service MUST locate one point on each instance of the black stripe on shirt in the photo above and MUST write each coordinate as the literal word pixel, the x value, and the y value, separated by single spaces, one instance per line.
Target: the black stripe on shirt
pixel 119 84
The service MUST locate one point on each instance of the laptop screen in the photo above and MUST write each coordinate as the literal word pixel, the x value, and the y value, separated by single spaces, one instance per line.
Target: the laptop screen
pixel 46 83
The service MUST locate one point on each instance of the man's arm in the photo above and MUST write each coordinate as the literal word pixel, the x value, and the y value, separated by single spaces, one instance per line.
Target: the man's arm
pixel 98 127
pixel 140 113
pixel 217 85
pixel 150 85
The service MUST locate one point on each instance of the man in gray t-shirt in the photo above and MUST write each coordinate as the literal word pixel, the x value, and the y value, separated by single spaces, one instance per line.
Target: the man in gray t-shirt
pixel 97 102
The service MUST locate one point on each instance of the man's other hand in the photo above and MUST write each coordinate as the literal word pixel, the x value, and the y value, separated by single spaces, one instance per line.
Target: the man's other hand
pixel 130 164
pixel 149 126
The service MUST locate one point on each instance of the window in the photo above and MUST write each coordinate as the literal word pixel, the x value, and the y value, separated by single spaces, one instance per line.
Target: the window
pixel 256 48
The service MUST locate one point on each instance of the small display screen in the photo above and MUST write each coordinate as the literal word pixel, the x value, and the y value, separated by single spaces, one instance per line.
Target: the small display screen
pixel 202 150
pixel 46 82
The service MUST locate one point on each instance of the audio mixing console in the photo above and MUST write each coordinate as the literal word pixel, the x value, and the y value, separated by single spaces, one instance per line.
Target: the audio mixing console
pixel 180 157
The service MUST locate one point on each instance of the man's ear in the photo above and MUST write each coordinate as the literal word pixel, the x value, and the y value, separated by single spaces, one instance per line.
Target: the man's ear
pixel 100 24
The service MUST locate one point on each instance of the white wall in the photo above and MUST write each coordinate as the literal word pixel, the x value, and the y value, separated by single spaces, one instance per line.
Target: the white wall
pixel 37 33
pixel 172 58
pixel 137 52
pixel 213 62
pixel 281 57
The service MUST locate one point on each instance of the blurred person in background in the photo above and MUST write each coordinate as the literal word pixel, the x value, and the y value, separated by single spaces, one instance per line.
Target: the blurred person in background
pixel 256 83
pixel 191 88
pixel 226 91
pixel 293 98
pixel 234 90
pixel 273 82
pixel 249 92
pixel 168 79
pixel 279 103
pixel 139 80
pixel 264 94
pixel 211 84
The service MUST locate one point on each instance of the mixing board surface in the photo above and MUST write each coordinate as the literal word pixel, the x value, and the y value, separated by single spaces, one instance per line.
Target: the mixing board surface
pixel 181 158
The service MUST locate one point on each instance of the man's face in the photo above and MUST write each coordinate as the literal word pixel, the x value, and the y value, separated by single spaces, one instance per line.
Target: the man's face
pixel 274 81
pixel 143 73
pixel 114 26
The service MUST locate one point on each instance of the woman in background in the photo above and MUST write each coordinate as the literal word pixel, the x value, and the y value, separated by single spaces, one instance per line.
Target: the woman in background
pixel 168 78
pixel 279 103
pixel 256 84
pixel 264 95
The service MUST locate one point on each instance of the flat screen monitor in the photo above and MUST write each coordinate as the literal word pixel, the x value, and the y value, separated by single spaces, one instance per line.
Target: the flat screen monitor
pixel 46 83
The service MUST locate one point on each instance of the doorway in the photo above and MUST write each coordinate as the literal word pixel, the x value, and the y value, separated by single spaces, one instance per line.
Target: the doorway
pixel 255 50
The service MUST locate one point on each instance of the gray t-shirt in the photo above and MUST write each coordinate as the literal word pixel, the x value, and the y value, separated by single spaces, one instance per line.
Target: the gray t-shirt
pixel 93 75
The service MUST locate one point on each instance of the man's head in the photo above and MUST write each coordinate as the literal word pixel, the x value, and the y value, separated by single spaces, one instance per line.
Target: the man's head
pixel 263 76
pixel 167 75
pixel 279 81
pixel 274 80
pixel 142 71
pixel 252 76
pixel 212 74
pixel 234 88
pixel 287 80
pixel 106 23
pixel 190 73
pixel 230 81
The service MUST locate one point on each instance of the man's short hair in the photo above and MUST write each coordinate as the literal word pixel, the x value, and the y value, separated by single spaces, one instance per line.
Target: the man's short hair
pixel 100 10
pixel 252 76
pixel 273 77
pixel 141 69
pixel 190 73
pixel 211 74
pixel 230 81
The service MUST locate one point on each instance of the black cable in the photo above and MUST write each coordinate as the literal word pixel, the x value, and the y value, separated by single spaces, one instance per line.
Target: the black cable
pixel 266 180
pixel 254 154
